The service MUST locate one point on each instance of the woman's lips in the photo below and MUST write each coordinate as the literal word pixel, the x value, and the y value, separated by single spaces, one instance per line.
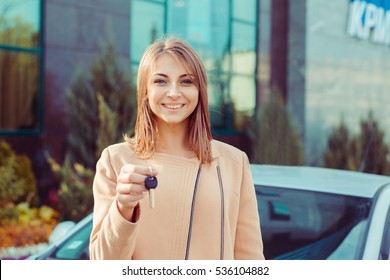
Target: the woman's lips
pixel 173 106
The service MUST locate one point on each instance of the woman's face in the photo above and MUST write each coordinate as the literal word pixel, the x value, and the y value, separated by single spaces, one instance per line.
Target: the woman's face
pixel 172 94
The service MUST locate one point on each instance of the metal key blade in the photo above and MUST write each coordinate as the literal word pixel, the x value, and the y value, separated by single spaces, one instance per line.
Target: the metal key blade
pixel 151 198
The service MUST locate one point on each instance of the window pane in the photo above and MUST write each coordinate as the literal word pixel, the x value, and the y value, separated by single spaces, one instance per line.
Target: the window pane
pixel 217 92
pixel 244 37
pixel 207 31
pixel 244 62
pixel 245 10
pixel 19 80
pixel 147 23
pixel 243 96
pixel 20 22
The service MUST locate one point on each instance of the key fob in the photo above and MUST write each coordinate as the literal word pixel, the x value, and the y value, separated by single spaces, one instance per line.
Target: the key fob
pixel 151 182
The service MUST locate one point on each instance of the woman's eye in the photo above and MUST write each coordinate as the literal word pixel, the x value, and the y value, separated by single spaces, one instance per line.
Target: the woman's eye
pixel 159 81
pixel 187 82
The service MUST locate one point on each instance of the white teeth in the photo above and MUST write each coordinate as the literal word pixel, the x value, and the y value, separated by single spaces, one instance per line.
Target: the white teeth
pixel 173 106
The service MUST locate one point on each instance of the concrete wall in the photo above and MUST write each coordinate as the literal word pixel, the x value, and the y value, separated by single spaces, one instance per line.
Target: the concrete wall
pixel 345 77
pixel 296 64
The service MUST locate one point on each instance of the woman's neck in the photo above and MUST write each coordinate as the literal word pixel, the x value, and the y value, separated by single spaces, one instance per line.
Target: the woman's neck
pixel 174 141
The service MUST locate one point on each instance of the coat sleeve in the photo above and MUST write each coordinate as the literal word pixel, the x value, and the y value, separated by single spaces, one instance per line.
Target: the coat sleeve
pixel 112 237
pixel 248 243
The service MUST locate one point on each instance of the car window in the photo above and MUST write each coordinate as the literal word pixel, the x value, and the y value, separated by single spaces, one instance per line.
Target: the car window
pixel 77 246
pixel 298 224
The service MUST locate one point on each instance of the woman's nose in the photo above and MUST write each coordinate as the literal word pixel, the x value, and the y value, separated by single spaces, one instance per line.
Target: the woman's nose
pixel 174 91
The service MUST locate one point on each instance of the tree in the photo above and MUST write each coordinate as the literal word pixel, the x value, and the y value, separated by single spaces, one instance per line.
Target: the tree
pixel 374 151
pixel 365 152
pixel 118 96
pixel 341 151
pixel 101 108
pixel 274 139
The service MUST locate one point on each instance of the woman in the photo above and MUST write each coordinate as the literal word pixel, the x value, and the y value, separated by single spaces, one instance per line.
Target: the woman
pixel 205 204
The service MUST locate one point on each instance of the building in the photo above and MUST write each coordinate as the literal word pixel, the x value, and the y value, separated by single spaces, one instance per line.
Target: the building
pixel 329 59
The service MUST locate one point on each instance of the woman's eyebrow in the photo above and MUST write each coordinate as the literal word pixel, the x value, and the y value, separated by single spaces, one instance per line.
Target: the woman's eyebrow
pixel 160 74
pixel 166 76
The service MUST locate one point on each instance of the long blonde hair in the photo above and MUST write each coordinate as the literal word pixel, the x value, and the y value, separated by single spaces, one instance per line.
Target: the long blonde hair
pixel 144 141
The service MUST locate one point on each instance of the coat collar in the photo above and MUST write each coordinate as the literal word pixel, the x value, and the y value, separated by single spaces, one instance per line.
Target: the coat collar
pixel 214 149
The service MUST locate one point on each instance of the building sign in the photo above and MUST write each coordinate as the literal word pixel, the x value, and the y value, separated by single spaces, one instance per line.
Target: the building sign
pixel 370 20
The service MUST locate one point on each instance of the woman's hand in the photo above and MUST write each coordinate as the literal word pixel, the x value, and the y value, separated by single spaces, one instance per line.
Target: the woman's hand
pixel 131 188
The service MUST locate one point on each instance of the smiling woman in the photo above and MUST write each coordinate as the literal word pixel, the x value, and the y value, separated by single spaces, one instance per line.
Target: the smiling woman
pixel 205 203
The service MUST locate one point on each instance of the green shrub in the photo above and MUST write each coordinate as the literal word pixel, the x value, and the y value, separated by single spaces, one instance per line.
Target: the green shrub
pixel 75 198
pixel 21 225
pixel 17 180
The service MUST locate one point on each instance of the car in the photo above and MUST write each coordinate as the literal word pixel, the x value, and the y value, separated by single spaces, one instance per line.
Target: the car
pixel 308 213
pixel 321 213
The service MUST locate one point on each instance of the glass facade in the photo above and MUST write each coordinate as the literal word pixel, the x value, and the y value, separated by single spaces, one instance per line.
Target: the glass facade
pixel 20 60
pixel 224 35
pixel 346 77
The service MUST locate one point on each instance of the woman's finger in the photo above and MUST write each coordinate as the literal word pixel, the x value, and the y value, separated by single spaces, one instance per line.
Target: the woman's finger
pixel 129 199
pixel 125 188
pixel 135 178
pixel 143 170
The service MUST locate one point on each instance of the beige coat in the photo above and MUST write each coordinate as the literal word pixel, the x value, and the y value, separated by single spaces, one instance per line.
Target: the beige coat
pixel 162 232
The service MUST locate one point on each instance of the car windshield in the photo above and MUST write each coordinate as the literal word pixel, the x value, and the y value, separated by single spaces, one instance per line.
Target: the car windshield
pixel 299 224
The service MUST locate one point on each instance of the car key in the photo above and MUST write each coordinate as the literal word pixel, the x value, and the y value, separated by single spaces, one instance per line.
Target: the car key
pixel 151 184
